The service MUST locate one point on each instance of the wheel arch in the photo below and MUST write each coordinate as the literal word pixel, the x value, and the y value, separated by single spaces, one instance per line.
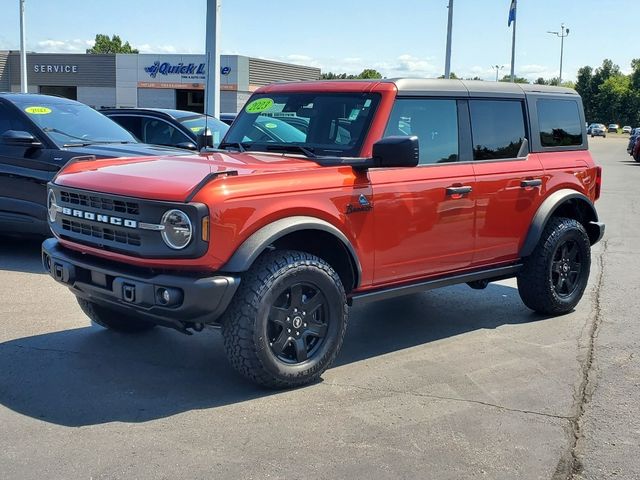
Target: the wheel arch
pixel 309 234
pixel 565 203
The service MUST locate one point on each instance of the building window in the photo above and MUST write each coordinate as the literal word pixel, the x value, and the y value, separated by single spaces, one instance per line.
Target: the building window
pixel 66 92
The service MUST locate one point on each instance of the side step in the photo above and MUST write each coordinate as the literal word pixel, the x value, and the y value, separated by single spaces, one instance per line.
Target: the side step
pixel 492 274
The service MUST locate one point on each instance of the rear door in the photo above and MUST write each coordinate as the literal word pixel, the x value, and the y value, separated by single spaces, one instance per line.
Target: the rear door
pixel 509 180
pixel 424 216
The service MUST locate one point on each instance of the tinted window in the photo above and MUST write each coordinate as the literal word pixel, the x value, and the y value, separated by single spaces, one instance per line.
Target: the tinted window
pixel 497 128
pixel 559 123
pixel 130 123
pixel 10 121
pixel 159 132
pixel 434 122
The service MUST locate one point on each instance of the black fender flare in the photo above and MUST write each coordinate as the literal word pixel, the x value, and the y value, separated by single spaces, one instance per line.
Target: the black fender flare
pixel 546 211
pixel 259 241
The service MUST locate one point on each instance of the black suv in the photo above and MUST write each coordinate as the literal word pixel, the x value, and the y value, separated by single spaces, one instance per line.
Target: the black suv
pixel 38 135
pixel 176 128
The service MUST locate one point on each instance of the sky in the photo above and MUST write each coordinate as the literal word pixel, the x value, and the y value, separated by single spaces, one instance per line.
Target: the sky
pixel 397 38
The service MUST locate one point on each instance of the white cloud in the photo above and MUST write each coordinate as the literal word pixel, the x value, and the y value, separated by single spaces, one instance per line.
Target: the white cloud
pixel 64 46
pixel 408 66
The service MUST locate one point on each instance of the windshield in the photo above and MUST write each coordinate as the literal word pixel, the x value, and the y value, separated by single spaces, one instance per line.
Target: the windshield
pixel 69 124
pixel 322 123
pixel 197 124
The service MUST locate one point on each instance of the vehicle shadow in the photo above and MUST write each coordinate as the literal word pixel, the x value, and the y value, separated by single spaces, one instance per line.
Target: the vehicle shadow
pixel 89 376
pixel 21 254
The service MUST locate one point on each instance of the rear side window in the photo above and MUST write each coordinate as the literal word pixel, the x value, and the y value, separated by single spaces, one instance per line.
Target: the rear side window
pixel 497 128
pixel 559 123
pixel 433 121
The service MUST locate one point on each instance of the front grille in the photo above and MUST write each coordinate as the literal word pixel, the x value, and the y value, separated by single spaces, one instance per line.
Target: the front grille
pixel 104 233
pixel 99 202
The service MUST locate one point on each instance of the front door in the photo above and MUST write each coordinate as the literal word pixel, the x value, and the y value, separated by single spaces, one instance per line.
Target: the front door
pixel 424 216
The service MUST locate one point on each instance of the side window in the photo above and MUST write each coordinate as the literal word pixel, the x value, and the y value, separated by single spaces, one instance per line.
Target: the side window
pixel 131 123
pixel 10 121
pixel 497 128
pixel 559 123
pixel 433 121
pixel 159 132
pixel 5 123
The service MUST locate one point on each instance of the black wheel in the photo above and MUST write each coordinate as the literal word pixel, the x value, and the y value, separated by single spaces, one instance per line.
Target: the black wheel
pixel 555 276
pixel 287 321
pixel 113 320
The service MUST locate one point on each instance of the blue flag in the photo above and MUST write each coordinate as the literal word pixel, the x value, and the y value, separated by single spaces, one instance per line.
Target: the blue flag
pixel 512 12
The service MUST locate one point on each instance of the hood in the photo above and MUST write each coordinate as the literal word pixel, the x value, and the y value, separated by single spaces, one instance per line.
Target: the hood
pixel 170 178
pixel 114 150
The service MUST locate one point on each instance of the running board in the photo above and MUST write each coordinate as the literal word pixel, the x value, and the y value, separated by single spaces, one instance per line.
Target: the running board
pixel 492 274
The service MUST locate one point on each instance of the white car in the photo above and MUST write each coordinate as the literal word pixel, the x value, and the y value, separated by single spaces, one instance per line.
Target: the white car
pixel 626 129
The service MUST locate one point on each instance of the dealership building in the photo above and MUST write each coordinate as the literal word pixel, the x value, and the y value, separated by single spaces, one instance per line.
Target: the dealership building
pixel 145 80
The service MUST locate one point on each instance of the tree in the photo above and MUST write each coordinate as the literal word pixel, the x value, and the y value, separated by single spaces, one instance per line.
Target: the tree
pixel 104 44
pixel 507 78
pixel 452 76
pixel 367 73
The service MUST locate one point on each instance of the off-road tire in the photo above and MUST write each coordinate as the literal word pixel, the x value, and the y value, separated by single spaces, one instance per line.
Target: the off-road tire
pixel 536 280
pixel 113 320
pixel 248 326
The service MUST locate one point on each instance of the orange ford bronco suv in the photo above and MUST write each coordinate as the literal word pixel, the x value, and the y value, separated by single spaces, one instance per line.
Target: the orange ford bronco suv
pixel 324 194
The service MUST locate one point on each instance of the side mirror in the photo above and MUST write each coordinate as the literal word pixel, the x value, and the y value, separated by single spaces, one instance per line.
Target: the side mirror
pixel 187 145
pixel 19 138
pixel 396 151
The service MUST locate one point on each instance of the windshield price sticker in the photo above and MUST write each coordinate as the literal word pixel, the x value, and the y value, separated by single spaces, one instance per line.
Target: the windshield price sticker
pixel 259 105
pixel 38 110
pixel 271 125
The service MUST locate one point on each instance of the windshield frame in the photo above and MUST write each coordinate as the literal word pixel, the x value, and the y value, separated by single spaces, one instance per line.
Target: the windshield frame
pixel 245 121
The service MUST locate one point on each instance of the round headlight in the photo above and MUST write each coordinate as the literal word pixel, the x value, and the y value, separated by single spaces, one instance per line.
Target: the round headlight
pixel 52 206
pixel 177 230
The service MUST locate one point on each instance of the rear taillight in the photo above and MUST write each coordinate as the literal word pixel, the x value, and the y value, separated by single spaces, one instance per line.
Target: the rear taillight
pixel 598 182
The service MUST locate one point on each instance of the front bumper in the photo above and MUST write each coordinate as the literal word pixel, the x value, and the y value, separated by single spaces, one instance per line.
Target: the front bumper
pixel 193 299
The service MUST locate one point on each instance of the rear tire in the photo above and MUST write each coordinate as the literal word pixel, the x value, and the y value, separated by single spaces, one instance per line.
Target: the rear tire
pixel 554 277
pixel 287 321
pixel 113 320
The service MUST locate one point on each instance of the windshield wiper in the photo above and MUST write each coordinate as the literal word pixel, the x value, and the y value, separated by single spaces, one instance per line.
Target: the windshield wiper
pixel 242 147
pixel 55 130
pixel 308 152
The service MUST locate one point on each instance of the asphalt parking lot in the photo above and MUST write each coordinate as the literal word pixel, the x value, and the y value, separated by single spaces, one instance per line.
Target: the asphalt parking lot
pixel 454 383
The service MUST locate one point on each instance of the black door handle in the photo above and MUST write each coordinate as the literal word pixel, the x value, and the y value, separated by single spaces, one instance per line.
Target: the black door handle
pixel 462 190
pixel 536 182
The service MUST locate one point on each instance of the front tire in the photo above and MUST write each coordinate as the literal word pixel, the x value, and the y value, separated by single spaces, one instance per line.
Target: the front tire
pixel 113 320
pixel 554 277
pixel 287 321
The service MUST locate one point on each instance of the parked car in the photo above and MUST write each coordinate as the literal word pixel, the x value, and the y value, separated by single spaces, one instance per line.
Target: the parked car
pixel 626 129
pixel 273 240
pixel 635 153
pixel 38 135
pixel 635 133
pixel 228 118
pixel 598 130
pixel 613 127
pixel 175 128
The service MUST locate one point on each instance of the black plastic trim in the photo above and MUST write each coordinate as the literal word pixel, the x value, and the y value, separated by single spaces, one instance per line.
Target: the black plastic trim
pixel 253 246
pixel 206 180
pixel 546 210
pixel 491 274
pixel 204 297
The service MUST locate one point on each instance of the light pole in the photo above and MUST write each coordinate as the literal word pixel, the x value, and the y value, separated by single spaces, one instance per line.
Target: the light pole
pixel 564 32
pixel 23 51
pixel 447 62
pixel 497 68
pixel 212 83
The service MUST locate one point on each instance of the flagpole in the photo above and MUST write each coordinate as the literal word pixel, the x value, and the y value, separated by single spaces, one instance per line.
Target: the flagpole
pixel 513 48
